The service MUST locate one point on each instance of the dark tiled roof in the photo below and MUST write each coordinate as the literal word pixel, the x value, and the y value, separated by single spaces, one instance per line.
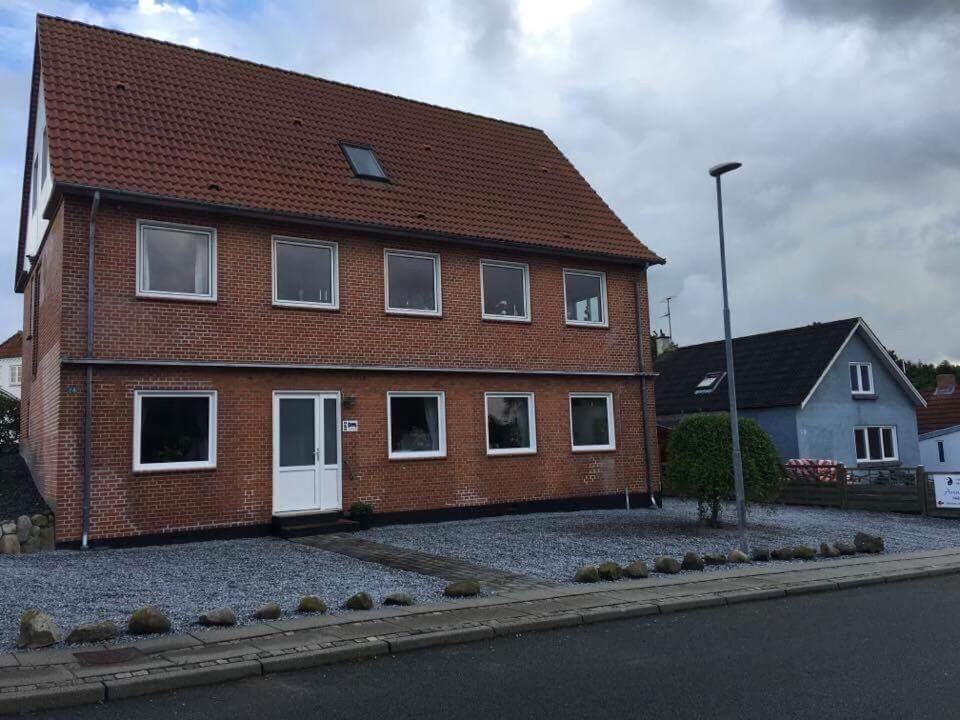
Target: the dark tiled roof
pixel 773 369
pixel 135 115
pixel 942 411
pixel 12 346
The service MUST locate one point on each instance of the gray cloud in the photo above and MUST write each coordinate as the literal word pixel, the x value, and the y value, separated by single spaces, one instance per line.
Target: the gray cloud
pixel 843 113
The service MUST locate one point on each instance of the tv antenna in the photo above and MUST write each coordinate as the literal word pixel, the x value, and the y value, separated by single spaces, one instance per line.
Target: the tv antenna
pixel 667 315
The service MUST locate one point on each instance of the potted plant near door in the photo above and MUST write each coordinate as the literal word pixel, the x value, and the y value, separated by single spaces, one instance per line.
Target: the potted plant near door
pixel 361 512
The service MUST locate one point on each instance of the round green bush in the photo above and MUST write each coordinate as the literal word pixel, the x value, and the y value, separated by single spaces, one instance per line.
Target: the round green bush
pixel 700 464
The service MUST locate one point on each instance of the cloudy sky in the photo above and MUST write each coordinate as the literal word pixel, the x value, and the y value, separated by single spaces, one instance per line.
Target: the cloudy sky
pixel 845 114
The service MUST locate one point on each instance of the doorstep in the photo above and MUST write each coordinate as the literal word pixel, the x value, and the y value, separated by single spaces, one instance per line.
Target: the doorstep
pixel 45 679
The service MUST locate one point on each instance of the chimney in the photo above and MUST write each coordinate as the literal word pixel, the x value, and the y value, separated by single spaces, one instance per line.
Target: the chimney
pixel 664 344
pixel 946 384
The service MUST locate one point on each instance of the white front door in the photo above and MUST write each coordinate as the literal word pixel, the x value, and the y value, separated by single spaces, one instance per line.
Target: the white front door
pixel 306 452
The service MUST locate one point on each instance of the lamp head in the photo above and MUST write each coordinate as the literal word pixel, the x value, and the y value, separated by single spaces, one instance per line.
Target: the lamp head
pixel 718 170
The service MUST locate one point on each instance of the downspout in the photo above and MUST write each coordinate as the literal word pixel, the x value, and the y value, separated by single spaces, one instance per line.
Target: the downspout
pixel 643 398
pixel 88 392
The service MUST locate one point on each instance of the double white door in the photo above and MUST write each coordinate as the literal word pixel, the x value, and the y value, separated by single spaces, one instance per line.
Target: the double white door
pixel 307 464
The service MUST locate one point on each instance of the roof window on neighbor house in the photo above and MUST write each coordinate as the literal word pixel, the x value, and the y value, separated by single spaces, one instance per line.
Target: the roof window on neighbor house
pixel 364 162
pixel 709 383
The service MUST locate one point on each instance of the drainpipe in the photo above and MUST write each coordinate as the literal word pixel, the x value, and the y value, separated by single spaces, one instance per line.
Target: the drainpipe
pixel 88 393
pixel 643 398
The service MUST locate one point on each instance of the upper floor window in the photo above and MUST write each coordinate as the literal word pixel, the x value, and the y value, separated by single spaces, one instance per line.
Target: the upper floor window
pixel 176 261
pixel 305 273
pixel 44 161
pixel 591 421
pixel 505 290
pixel 364 162
pixel 16 374
pixel 511 424
pixel 875 443
pixel 412 282
pixel 861 378
pixel 585 295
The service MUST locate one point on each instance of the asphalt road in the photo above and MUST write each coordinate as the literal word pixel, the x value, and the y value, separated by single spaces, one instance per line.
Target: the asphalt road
pixel 886 651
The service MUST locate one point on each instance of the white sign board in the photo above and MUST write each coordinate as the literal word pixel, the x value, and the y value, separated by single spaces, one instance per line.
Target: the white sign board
pixel 946 489
pixel 351 425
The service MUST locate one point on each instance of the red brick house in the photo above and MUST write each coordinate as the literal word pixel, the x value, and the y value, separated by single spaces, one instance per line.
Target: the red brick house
pixel 251 294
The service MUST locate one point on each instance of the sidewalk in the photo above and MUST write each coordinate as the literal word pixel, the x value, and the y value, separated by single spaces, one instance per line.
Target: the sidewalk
pixel 61 677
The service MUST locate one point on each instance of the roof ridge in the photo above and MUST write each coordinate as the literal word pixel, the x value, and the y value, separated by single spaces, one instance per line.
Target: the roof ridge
pixel 286 71
pixel 771 332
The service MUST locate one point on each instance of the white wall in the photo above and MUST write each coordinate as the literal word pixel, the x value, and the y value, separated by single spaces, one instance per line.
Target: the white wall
pixel 930 456
pixel 6 366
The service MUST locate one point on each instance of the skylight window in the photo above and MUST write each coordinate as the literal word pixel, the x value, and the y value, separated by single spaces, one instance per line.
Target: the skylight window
pixel 364 162
pixel 709 383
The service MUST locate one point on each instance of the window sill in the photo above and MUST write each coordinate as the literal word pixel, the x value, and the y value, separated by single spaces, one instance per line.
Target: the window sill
pixel 177 298
pixel 876 464
pixel 863 396
pixel 417 456
pixel 596 326
pixel 173 467
pixel 511 453
pixel 305 306
pixel 415 313
pixel 594 449
pixel 506 319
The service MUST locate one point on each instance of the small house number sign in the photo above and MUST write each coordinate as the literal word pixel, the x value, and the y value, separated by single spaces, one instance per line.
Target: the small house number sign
pixel 351 425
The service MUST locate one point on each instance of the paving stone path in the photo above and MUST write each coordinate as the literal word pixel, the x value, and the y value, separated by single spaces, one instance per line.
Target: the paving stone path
pixel 424 563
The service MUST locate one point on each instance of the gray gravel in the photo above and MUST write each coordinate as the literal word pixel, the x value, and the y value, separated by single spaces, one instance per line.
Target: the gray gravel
pixel 553 545
pixel 186 580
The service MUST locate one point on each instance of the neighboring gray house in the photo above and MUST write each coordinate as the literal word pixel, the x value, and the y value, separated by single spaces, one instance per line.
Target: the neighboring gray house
pixel 828 391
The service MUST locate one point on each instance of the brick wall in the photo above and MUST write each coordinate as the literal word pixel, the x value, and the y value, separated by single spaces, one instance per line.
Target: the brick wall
pixel 239 491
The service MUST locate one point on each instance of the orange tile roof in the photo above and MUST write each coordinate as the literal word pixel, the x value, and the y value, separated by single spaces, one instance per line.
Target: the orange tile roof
pixel 942 411
pixel 12 346
pixel 135 115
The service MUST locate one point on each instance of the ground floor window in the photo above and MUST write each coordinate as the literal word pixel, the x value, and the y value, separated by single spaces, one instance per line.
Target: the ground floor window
pixel 875 443
pixel 511 424
pixel 174 430
pixel 591 421
pixel 416 425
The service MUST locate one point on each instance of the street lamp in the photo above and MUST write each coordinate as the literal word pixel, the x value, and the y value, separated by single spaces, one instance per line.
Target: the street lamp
pixel 716 171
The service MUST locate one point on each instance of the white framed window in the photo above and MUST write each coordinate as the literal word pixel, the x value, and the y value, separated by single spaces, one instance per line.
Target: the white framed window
pixel 711 381
pixel 176 261
pixel 16 374
pixel 585 297
pixel 411 282
pixel 861 378
pixel 876 443
pixel 511 423
pixel 591 422
pixel 174 430
pixel 416 425
pixel 505 291
pixel 305 273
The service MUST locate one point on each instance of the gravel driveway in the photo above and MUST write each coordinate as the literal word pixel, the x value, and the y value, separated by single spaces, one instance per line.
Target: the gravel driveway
pixel 186 580
pixel 553 545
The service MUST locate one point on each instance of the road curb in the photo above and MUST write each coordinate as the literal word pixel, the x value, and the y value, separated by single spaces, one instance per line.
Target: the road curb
pixel 59 684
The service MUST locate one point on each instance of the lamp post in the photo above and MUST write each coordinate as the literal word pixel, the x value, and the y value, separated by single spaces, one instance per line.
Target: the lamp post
pixel 716 171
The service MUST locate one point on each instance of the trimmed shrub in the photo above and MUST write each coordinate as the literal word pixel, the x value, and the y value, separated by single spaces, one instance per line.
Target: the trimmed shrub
pixel 700 467
pixel 9 424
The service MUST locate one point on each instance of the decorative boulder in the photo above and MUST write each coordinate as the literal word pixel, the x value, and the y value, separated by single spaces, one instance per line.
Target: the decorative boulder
pixel 8 528
pixel 737 556
pixel 804 552
pixel 219 617
pixel 829 550
pixel 462 588
pixel 636 569
pixel 760 554
pixel 24 526
pixel 147 621
pixel 715 559
pixel 9 545
pixel 39 520
pixel 868 543
pixel 267 611
pixel 692 561
pixel 587 574
pixel 311 604
pixel 782 554
pixel 400 599
pixel 360 601
pixel 609 571
pixel 667 565
pixel 37 630
pixel 846 548
pixel 93 632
